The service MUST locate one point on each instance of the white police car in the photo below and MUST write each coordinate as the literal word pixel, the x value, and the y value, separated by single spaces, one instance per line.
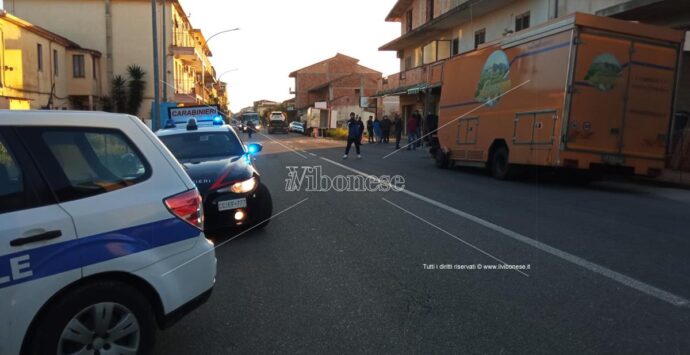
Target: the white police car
pixel 101 236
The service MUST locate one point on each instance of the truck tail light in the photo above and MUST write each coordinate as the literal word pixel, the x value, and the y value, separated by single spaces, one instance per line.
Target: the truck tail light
pixel 187 206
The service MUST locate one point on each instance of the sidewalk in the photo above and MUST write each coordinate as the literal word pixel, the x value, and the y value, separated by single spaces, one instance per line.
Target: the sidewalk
pixel 674 177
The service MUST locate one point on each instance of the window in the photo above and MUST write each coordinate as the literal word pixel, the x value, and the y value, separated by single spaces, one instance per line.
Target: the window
pixel 479 37
pixel 94 68
pixel 90 161
pixel 408 63
pixel 429 10
pixel 78 66
pixel 522 21
pixel 12 196
pixel 408 21
pixel 204 144
pixel 39 56
pixel 455 46
pixel 55 62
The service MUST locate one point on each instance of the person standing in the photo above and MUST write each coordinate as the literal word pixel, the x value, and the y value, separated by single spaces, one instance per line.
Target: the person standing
pixel 420 127
pixel 386 129
pixel 250 128
pixel 360 124
pixel 398 128
pixel 377 130
pixel 412 132
pixel 370 130
pixel 354 134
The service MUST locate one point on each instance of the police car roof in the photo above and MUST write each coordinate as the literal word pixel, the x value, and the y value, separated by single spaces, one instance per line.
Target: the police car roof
pixel 182 128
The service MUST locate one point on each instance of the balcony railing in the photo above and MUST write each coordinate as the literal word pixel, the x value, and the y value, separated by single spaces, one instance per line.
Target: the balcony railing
pixel 183 39
pixel 430 74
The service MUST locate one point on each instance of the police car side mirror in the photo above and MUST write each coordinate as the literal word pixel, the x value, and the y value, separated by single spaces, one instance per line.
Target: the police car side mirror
pixel 254 148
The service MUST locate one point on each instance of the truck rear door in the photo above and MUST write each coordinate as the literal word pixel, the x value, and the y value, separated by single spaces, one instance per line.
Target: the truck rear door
pixel 650 100
pixel 622 96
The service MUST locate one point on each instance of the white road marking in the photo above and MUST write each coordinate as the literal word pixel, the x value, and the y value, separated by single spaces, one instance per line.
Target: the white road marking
pixel 640 286
pixel 281 144
pixel 233 237
pixel 452 235
pixel 312 154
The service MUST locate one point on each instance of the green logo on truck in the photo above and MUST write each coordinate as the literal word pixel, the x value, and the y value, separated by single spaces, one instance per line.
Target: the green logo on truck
pixel 493 81
pixel 604 72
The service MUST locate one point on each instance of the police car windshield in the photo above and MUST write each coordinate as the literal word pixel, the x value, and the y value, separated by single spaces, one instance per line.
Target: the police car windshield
pixel 203 144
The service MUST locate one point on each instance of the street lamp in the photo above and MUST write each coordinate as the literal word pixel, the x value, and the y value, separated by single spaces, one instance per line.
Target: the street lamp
pixel 221 32
pixel 225 72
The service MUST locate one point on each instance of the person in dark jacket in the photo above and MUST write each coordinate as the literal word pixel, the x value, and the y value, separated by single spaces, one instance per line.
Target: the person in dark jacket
pixel 398 128
pixel 354 135
pixel 250 128
pixel 412 126
pixel 370 130
pixel 420 127
pixel 385 129
pixel 361 128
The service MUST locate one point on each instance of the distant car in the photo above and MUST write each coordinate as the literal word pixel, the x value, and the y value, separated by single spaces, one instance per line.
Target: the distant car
pixel 222 169
pixel 277 123
pixel 101 238
pixel 296 126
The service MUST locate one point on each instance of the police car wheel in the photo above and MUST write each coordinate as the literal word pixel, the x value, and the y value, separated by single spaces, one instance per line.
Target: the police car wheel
pixel 265 206
pixel 99 318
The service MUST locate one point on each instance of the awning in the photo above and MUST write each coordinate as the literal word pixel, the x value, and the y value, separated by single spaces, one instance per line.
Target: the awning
pixel 407 90
pixel 417 88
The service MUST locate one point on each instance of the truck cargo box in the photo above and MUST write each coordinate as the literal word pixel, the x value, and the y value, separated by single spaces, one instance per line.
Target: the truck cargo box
pixel 582 92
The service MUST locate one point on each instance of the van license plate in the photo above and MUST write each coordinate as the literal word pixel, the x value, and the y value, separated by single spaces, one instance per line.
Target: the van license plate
pixel 612 159
pixel 232 204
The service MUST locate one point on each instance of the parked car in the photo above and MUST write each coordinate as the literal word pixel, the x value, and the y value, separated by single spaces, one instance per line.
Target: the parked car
pixel 296 126
pixel 222 169
pixel 101 235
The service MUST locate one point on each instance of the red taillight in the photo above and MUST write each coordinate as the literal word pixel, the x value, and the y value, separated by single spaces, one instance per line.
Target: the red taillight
pixel 187 206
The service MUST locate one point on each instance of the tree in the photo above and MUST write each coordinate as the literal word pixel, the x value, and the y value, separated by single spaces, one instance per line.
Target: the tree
pixel 136 87
pixel 119 94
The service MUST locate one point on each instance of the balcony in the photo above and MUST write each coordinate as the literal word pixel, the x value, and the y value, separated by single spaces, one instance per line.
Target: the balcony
pixel 187 49
pixel 450 20
pixel 183 45
pixel 189 92
pixel 413 80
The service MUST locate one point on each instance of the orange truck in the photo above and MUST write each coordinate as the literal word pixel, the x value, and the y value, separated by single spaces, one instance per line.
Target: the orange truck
pixel 582 92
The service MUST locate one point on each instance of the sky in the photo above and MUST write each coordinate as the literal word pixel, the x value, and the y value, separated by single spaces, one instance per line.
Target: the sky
pixel 277 37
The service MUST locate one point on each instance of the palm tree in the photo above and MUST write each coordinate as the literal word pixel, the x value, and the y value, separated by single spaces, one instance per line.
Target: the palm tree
pixel 119 94
pixel 136 88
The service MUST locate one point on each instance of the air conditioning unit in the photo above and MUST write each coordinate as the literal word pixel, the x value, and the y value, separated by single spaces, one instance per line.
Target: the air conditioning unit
pixel 400 54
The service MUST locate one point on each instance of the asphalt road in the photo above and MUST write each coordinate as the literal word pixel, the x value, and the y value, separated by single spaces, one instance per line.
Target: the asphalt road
pixel 349 272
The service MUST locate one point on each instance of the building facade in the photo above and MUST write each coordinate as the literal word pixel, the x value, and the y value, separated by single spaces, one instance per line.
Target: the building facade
pixel 337 84
pixel 121 30
pixel 432 31
pixel 43 70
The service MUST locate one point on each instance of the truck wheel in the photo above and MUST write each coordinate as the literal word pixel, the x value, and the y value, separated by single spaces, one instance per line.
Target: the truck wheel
pixel 441 159
pixel 265 207
pixel 500 164
pixel 102 317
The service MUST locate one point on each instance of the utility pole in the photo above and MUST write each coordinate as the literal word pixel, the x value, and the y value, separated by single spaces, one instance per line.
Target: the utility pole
pixel 156 80
pixel 165 52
